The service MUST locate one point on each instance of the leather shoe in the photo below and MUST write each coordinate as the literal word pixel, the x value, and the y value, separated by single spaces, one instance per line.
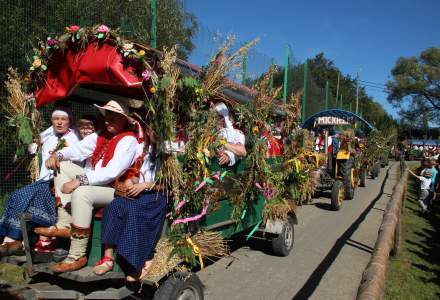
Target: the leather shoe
pixel 69 264
pixel 11 248
pixel 53 231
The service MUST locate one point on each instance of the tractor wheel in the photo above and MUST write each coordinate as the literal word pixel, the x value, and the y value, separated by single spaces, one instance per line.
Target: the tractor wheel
pixel 338 195
pixel 362 177
pixel 349 174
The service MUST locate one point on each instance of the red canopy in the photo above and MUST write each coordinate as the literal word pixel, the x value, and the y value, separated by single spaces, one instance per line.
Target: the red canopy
pixel 97 66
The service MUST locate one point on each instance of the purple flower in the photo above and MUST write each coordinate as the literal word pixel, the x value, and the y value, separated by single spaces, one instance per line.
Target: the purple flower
pixel 103 29
pixel 146 75
pixel 52 42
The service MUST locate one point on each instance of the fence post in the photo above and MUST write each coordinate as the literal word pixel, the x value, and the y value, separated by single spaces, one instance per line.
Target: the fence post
pixel 304 99
pixel 286 71
pixel 153 29
pixel 244 70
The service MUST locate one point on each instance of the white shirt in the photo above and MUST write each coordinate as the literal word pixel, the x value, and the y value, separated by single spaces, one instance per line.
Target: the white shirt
pixel 233 136
pixel 49 142
pixel 425 183
pixel 123 158
pixel 148 169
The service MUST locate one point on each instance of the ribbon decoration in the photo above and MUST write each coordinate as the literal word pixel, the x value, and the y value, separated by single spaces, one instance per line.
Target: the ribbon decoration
pixel 253 231
pixel 196 251
pixel 193 218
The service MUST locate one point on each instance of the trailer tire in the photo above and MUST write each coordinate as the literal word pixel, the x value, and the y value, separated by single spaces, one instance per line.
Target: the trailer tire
pixel 180 285
pixel 283 243
pixel 338 195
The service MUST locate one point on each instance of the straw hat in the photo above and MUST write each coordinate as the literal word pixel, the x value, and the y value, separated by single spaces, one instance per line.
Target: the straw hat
pixel 114 106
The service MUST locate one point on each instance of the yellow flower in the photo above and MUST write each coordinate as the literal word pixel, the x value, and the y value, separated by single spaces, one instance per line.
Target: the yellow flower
pixel 223 142
pixel 255 130
pixel 141 53
pixel 153 90
pixel 37 63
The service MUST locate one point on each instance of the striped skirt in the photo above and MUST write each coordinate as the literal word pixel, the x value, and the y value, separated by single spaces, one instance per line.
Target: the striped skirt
pixel 133 227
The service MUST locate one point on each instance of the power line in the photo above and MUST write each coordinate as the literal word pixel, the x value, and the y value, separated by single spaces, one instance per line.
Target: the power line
pixel 374 83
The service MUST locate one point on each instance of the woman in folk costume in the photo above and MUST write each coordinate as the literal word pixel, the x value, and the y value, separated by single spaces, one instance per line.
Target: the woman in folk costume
pixel 132 224
pixel 112 152
pixel 234 148
pixel 36 198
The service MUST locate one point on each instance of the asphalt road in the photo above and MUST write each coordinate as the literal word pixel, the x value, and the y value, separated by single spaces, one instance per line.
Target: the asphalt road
pixel 332 248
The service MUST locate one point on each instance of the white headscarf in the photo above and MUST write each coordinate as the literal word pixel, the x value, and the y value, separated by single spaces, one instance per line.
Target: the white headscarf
pixel 223 111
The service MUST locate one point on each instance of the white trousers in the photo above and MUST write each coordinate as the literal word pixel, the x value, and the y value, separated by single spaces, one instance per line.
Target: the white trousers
pixel 84 198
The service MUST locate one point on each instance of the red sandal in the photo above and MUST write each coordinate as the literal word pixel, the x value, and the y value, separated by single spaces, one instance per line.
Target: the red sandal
pixel 103 266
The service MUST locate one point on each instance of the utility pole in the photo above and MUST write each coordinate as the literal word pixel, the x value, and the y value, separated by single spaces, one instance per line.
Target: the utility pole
pixel 357 93
pixel 153 29
pixel 327 86
pixel 337 90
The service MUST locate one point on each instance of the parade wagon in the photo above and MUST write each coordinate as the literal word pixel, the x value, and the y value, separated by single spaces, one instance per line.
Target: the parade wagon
pixel 86 66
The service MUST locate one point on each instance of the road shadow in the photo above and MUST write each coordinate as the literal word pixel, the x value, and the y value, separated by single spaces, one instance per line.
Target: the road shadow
pixel 323 205
pixel 315 278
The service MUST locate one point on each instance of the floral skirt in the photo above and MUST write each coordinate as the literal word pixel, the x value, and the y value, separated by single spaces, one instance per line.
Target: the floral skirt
pixel 35 199
pixel 133 227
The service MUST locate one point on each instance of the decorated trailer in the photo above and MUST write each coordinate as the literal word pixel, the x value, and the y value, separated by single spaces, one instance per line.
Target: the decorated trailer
pixel 208 203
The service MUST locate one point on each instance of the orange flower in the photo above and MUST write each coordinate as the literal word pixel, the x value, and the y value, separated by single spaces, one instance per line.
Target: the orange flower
pixel 153 90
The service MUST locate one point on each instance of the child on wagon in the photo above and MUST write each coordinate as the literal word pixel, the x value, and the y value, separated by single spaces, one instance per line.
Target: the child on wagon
pixel 36 198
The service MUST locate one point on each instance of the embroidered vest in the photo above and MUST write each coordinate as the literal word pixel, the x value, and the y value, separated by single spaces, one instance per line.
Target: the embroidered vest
pixel 106 145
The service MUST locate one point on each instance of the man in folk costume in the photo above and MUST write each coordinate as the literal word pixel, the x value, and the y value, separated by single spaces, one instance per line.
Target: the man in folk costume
pixel 36 198
pixel 112 152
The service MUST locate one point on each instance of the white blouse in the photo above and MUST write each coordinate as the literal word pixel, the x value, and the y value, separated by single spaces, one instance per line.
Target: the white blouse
pixel 233 136
pixel 123 158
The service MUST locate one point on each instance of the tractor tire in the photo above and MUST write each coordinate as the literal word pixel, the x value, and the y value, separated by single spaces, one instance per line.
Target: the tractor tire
pixel 362 177
pixel 338 195
pixel 180 285
pixel 347 168
pixel 376 170
pixel 283 243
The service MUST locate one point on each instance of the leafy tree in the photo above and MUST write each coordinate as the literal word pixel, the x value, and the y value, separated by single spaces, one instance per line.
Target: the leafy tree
pixel 23 21
pixel 416 79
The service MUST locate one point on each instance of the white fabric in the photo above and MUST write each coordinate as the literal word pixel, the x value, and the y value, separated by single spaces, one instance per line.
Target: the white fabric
pixel 223 111
pixel 60 113
pixel 50 141
pixel 148 169
pixel 232 136
pixel 123 158
pixel 425 183
pixel 174 147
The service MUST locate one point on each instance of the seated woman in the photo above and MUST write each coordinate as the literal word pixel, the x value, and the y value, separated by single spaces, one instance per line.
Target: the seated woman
pixel 133 226
pixel 36 198
pixel 85 126
pixel 234 148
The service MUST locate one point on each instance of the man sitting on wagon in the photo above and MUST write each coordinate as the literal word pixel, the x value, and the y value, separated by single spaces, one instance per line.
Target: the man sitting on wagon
pixel 112 152
pixel 234 148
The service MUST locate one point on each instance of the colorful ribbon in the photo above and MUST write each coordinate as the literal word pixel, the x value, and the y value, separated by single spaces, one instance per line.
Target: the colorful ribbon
pixel 196 251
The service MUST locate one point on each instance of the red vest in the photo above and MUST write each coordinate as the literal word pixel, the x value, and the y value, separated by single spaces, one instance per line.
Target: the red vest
pixel 106 145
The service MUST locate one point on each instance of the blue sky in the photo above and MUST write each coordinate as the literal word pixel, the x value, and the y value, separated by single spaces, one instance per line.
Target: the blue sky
pixel 359 36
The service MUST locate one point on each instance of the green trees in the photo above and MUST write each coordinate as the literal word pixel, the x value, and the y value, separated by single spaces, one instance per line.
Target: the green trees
pixel 415 86
pixel 23 21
